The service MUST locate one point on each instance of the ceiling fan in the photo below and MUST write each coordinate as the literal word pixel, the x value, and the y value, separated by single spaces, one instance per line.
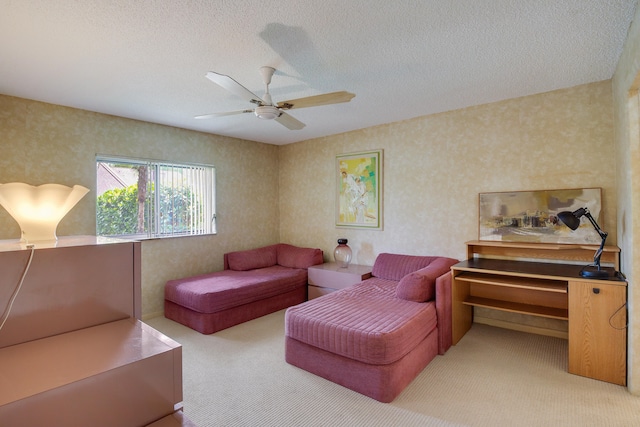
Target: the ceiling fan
pixel 265 108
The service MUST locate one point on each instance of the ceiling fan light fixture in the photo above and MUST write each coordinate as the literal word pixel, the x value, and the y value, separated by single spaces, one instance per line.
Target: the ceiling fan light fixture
pixel 267 112
pixel 265 108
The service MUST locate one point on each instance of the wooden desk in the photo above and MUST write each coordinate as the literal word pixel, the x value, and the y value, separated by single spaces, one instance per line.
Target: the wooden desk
pixel 594 309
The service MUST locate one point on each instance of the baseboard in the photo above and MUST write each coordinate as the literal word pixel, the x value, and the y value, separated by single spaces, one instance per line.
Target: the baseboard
pixel 520 327
pixel 148 316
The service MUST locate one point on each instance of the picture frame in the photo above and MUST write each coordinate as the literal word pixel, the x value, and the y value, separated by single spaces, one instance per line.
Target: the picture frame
pixel 359 190
pixel 531 216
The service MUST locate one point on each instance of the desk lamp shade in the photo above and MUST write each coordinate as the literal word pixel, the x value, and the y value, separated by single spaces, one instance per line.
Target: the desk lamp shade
pixel 38 210
pixel 572 220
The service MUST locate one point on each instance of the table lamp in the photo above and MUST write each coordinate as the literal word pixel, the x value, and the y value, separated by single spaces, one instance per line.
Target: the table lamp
pixel 38 210
pixel 572 220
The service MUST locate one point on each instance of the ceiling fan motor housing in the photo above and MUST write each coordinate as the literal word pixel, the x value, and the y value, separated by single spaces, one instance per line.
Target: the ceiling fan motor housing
pixel 267 112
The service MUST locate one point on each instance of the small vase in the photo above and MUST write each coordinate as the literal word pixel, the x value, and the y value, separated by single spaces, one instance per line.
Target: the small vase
pixel 342 253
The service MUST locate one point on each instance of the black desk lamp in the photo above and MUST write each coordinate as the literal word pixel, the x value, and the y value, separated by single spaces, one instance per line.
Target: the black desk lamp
pixel 572 220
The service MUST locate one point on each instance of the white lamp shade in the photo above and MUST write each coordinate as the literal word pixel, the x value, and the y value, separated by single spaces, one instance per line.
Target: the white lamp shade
pixel 38 210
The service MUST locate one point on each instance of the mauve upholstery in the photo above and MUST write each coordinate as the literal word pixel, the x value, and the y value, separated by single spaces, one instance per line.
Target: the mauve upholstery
pixel 369 339
pixel 251 259
pixel 395 266
pixel 255 282
pixel 344 323
pixel 229 288
pixel 208 323
pixel 420 285
pixel 380 382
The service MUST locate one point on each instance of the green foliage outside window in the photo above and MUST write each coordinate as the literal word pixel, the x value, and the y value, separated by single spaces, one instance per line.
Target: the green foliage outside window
pixel 117 211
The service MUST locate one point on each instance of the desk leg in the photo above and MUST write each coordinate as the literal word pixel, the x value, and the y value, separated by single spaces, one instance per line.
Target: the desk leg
pixel 462 314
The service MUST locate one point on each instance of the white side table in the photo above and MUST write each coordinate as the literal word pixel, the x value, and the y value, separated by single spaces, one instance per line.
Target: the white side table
pixel 329 277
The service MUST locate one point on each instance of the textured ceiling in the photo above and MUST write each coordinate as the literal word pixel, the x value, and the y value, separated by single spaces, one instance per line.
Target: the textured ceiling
pixel 147 60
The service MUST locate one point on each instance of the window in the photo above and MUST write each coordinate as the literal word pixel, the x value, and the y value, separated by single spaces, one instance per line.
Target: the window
pixel 143 199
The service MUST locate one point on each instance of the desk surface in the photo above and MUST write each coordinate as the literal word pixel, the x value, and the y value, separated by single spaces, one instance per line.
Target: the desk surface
pixel 532 269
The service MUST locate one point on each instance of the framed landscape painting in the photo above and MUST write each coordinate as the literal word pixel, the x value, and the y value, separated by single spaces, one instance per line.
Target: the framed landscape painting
pixel 531 216
pixel 359 190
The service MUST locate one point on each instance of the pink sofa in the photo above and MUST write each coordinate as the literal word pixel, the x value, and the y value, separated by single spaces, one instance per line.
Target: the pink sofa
pixel 377 336
pixel 253 283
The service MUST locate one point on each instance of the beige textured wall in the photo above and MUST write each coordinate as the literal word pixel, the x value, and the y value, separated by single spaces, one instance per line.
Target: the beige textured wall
pixel 435 166
pixel 626 83
pixel 44 143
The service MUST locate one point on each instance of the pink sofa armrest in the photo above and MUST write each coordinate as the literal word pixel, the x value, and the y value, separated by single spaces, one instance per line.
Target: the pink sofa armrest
pixel 443 312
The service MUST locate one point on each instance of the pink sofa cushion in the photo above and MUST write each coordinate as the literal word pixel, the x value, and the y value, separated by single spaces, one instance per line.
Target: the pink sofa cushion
pixel 420 286
pixel 364 322
pixel 210 293
pixel 297 257
pixel 253 258
pixel 415 287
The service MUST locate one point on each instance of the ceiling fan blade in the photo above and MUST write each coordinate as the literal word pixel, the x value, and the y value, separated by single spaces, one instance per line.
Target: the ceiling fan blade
pixel 228 113
pixel 317 100
pixel 289 122
pixel 234 87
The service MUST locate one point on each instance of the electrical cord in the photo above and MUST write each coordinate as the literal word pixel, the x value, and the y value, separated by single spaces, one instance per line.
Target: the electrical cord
pixel 614 314
pixel 7 310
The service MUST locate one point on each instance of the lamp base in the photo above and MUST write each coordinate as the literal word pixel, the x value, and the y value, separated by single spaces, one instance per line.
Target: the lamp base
pixel 595 272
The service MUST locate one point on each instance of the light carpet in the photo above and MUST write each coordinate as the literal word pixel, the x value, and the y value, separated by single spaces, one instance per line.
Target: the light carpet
pixel 493 377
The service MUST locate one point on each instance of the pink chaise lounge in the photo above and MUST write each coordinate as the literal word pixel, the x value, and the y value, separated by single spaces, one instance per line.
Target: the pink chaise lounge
pixel 253 283
pixel 378 335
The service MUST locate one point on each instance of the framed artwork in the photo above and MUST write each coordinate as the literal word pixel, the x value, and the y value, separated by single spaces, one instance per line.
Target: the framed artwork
pixel 359 190
pixel 531 216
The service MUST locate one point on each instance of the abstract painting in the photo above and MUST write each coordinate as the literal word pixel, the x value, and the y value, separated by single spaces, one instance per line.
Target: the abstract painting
pixel 359 190
pixel 531 216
